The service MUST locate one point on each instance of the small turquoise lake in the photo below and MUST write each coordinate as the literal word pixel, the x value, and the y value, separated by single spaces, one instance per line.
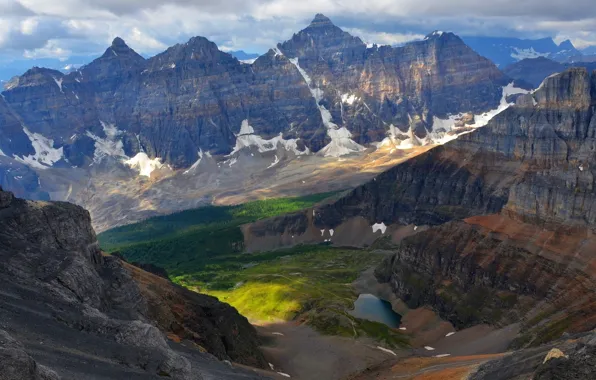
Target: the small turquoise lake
pixel 367 306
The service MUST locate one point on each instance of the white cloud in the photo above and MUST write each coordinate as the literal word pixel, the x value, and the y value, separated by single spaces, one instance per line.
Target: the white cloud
pixel 29 25
pixel 51 49
pixel 45 28
pixel 384 38
pixel 143 41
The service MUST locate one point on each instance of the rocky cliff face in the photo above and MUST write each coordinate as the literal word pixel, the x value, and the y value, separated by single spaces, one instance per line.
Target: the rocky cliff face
pixel 494 227
pixel 566 359
pixel 365 89
pixel 323 88
pixel 64 300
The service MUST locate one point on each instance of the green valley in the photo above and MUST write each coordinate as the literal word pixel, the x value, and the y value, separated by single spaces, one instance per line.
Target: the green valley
pixel 202 250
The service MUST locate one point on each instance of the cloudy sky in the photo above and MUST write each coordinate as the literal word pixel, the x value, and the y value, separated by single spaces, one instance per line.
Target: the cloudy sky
pixel 62 28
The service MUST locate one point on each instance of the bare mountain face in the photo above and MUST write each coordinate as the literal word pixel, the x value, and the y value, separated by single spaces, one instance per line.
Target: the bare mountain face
pixel 193 123
pixel 495 227
pixel 80 314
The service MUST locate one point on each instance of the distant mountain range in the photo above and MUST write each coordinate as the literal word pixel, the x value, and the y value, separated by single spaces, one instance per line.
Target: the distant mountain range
pixel 9 69
pixel 505 51
pixel 534 70
pixel 243 56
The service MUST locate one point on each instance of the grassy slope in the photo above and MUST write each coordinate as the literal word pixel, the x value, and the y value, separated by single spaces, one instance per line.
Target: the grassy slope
pixel 202 250
pixel 185 242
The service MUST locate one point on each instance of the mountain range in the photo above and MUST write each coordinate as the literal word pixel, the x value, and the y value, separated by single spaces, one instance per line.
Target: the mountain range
pixel 323 93
pixel 504 51
pixel 534 70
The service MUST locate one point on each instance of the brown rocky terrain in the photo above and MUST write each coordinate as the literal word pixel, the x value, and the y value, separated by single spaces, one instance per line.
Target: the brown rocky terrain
pixel 82 314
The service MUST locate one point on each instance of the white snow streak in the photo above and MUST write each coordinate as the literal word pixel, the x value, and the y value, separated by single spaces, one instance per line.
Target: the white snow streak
pixel 442 355
pixel 341 143
pixel 428 348
pixel 277 52
pixel 59 83
pixel 274 162
pixel 386 350
pixel 196 164
pixel 451 333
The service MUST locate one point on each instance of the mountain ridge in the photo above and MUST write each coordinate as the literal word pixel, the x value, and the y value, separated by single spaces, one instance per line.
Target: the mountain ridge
pixel 129 68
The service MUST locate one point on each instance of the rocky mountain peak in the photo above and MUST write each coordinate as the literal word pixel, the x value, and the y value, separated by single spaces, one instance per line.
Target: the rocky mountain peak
pixel 199 53
pixel 439 35
pixel 118 42
pixel 34 77
pixel 119 49
pixel 566 45
pixel 321 20
pixel 321 38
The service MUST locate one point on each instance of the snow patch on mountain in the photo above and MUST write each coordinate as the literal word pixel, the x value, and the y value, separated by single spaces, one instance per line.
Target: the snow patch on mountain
pixel 442 127
pixel 275 162
pixel 349 98
pixel 379 227
pixel 341 142
pixel 397 139
pixel 144 164
pixel 247 138
pixel 45 153
pixel 111 146
pixel 2 153
pixel 520 54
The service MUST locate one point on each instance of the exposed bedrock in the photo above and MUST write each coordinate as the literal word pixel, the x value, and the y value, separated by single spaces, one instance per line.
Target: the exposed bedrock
pixel 59 289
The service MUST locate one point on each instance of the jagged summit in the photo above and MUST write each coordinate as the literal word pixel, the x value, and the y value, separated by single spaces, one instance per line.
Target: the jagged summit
pixel 567 45
pixel 320 20
pixel 119 48
pixel 436 34
pixel 118 42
